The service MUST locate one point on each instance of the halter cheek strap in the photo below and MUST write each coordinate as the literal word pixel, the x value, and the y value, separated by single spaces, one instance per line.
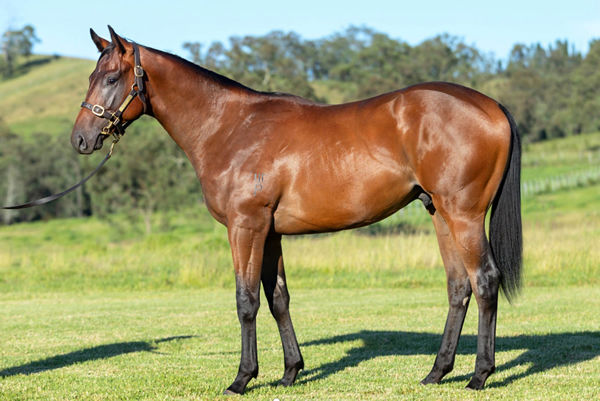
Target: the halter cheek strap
pixel 116 126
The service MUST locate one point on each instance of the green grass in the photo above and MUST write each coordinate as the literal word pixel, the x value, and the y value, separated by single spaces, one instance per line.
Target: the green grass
pixel 97 310
pixel 560 156
pixel 189 249
pixel 373 344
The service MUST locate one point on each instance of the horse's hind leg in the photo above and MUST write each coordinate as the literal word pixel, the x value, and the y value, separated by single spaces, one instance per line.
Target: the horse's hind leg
pixel 459 294
pixel 468 231
pixel 274 285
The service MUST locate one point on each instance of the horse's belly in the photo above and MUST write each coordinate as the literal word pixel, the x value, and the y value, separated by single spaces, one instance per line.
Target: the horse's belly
pixel 327 203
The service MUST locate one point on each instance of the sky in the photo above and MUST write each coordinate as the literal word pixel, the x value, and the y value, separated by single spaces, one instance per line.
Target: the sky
pixel 492 26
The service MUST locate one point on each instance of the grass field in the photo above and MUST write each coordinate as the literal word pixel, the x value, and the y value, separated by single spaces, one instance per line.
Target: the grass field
pixel 371 344
pixel 97 310
pixel 191 251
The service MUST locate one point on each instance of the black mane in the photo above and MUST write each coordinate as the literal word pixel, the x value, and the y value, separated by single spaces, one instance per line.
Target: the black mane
pixel 221 79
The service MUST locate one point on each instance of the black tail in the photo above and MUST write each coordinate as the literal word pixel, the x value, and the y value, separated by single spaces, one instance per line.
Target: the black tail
pixel 506 234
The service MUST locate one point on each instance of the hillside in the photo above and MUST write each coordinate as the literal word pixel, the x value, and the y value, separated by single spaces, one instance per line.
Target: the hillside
pixel 47 97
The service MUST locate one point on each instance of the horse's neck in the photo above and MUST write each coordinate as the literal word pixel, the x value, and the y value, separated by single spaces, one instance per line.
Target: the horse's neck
pixel 190 103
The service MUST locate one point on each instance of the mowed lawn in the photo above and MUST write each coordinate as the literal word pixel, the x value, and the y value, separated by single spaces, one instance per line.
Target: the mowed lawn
pixel 90 310
pixel 372 344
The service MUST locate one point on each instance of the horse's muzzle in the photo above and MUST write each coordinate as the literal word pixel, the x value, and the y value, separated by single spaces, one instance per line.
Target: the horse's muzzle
pixel 82 145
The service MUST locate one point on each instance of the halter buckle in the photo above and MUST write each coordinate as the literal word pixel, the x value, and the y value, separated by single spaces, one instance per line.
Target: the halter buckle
pixel 107 130
pixel 138 71
pixel 98 110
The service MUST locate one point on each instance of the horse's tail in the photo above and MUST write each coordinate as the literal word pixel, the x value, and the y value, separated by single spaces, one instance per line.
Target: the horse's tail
pixel 506 233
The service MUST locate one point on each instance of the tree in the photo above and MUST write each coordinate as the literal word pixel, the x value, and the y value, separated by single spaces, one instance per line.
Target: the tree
pixel 8 160
pixel 17 43
pixel 585 94
pixel 274 62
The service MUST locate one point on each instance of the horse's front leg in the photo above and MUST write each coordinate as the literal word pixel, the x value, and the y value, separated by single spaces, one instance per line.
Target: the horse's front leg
pixel 247 239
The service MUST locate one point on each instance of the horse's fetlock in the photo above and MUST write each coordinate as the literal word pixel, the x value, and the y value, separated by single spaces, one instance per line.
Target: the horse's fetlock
pixel 298 365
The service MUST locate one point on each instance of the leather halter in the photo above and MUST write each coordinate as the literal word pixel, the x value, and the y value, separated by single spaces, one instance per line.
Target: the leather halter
pixel 116 126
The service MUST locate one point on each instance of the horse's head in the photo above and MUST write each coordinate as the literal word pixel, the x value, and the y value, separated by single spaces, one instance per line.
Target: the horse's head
pixel 115 96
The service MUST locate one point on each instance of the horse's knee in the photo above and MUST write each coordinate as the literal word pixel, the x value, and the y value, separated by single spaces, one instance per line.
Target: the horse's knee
pixel 459 292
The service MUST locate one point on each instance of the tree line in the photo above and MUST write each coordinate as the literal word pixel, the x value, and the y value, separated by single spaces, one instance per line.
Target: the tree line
pixel 552 91
pixel 147 173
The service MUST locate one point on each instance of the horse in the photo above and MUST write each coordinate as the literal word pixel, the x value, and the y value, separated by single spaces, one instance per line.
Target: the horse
pixel 273 164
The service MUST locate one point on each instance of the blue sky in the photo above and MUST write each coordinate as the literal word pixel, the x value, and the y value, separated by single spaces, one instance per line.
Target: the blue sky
pixel 491 26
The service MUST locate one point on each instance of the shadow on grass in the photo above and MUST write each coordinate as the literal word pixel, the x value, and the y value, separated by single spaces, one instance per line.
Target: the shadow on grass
pixel 541 352
pixel 88 354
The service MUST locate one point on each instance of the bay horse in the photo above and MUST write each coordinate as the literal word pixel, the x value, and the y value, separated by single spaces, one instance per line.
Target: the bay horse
pixel 273 164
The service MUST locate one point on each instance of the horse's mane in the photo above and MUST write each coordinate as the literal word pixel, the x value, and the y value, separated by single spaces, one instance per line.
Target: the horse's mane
pixel 221 79
pixel 206 73
pixel 214 76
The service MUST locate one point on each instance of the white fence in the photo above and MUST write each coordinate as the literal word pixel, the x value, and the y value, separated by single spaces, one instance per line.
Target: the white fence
pixel 582 178
pixel 576 179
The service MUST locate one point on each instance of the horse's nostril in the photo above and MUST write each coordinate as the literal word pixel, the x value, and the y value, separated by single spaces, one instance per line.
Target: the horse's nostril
pixel 81 142
pixel 99 142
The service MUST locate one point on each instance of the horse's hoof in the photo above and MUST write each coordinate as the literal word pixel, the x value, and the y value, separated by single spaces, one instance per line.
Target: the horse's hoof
pixel 474 384
pixel 285 382
pixel 230 392
pixel 289 377
pixel 431 379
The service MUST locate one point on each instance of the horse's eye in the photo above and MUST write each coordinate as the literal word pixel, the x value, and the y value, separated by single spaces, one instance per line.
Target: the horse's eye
pixel 111 80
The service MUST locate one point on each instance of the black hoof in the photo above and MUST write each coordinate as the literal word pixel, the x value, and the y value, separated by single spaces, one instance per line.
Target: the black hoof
pixel 434 377
pixel 475 384
pixel 427 381
pixel 231 391
pixel 290 374
pixel 286 382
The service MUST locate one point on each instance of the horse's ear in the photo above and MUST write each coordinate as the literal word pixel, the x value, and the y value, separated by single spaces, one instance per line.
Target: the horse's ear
pixel 117 40
pixel 98 41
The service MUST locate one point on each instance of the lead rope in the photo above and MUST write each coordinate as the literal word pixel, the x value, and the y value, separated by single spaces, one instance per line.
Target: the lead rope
pixel 50 198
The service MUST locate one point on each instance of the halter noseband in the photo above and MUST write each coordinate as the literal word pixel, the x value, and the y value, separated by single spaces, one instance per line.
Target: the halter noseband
pixel 116 126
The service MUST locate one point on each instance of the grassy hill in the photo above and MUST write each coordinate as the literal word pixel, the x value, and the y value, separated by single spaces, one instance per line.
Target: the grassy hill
pixel 46 97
